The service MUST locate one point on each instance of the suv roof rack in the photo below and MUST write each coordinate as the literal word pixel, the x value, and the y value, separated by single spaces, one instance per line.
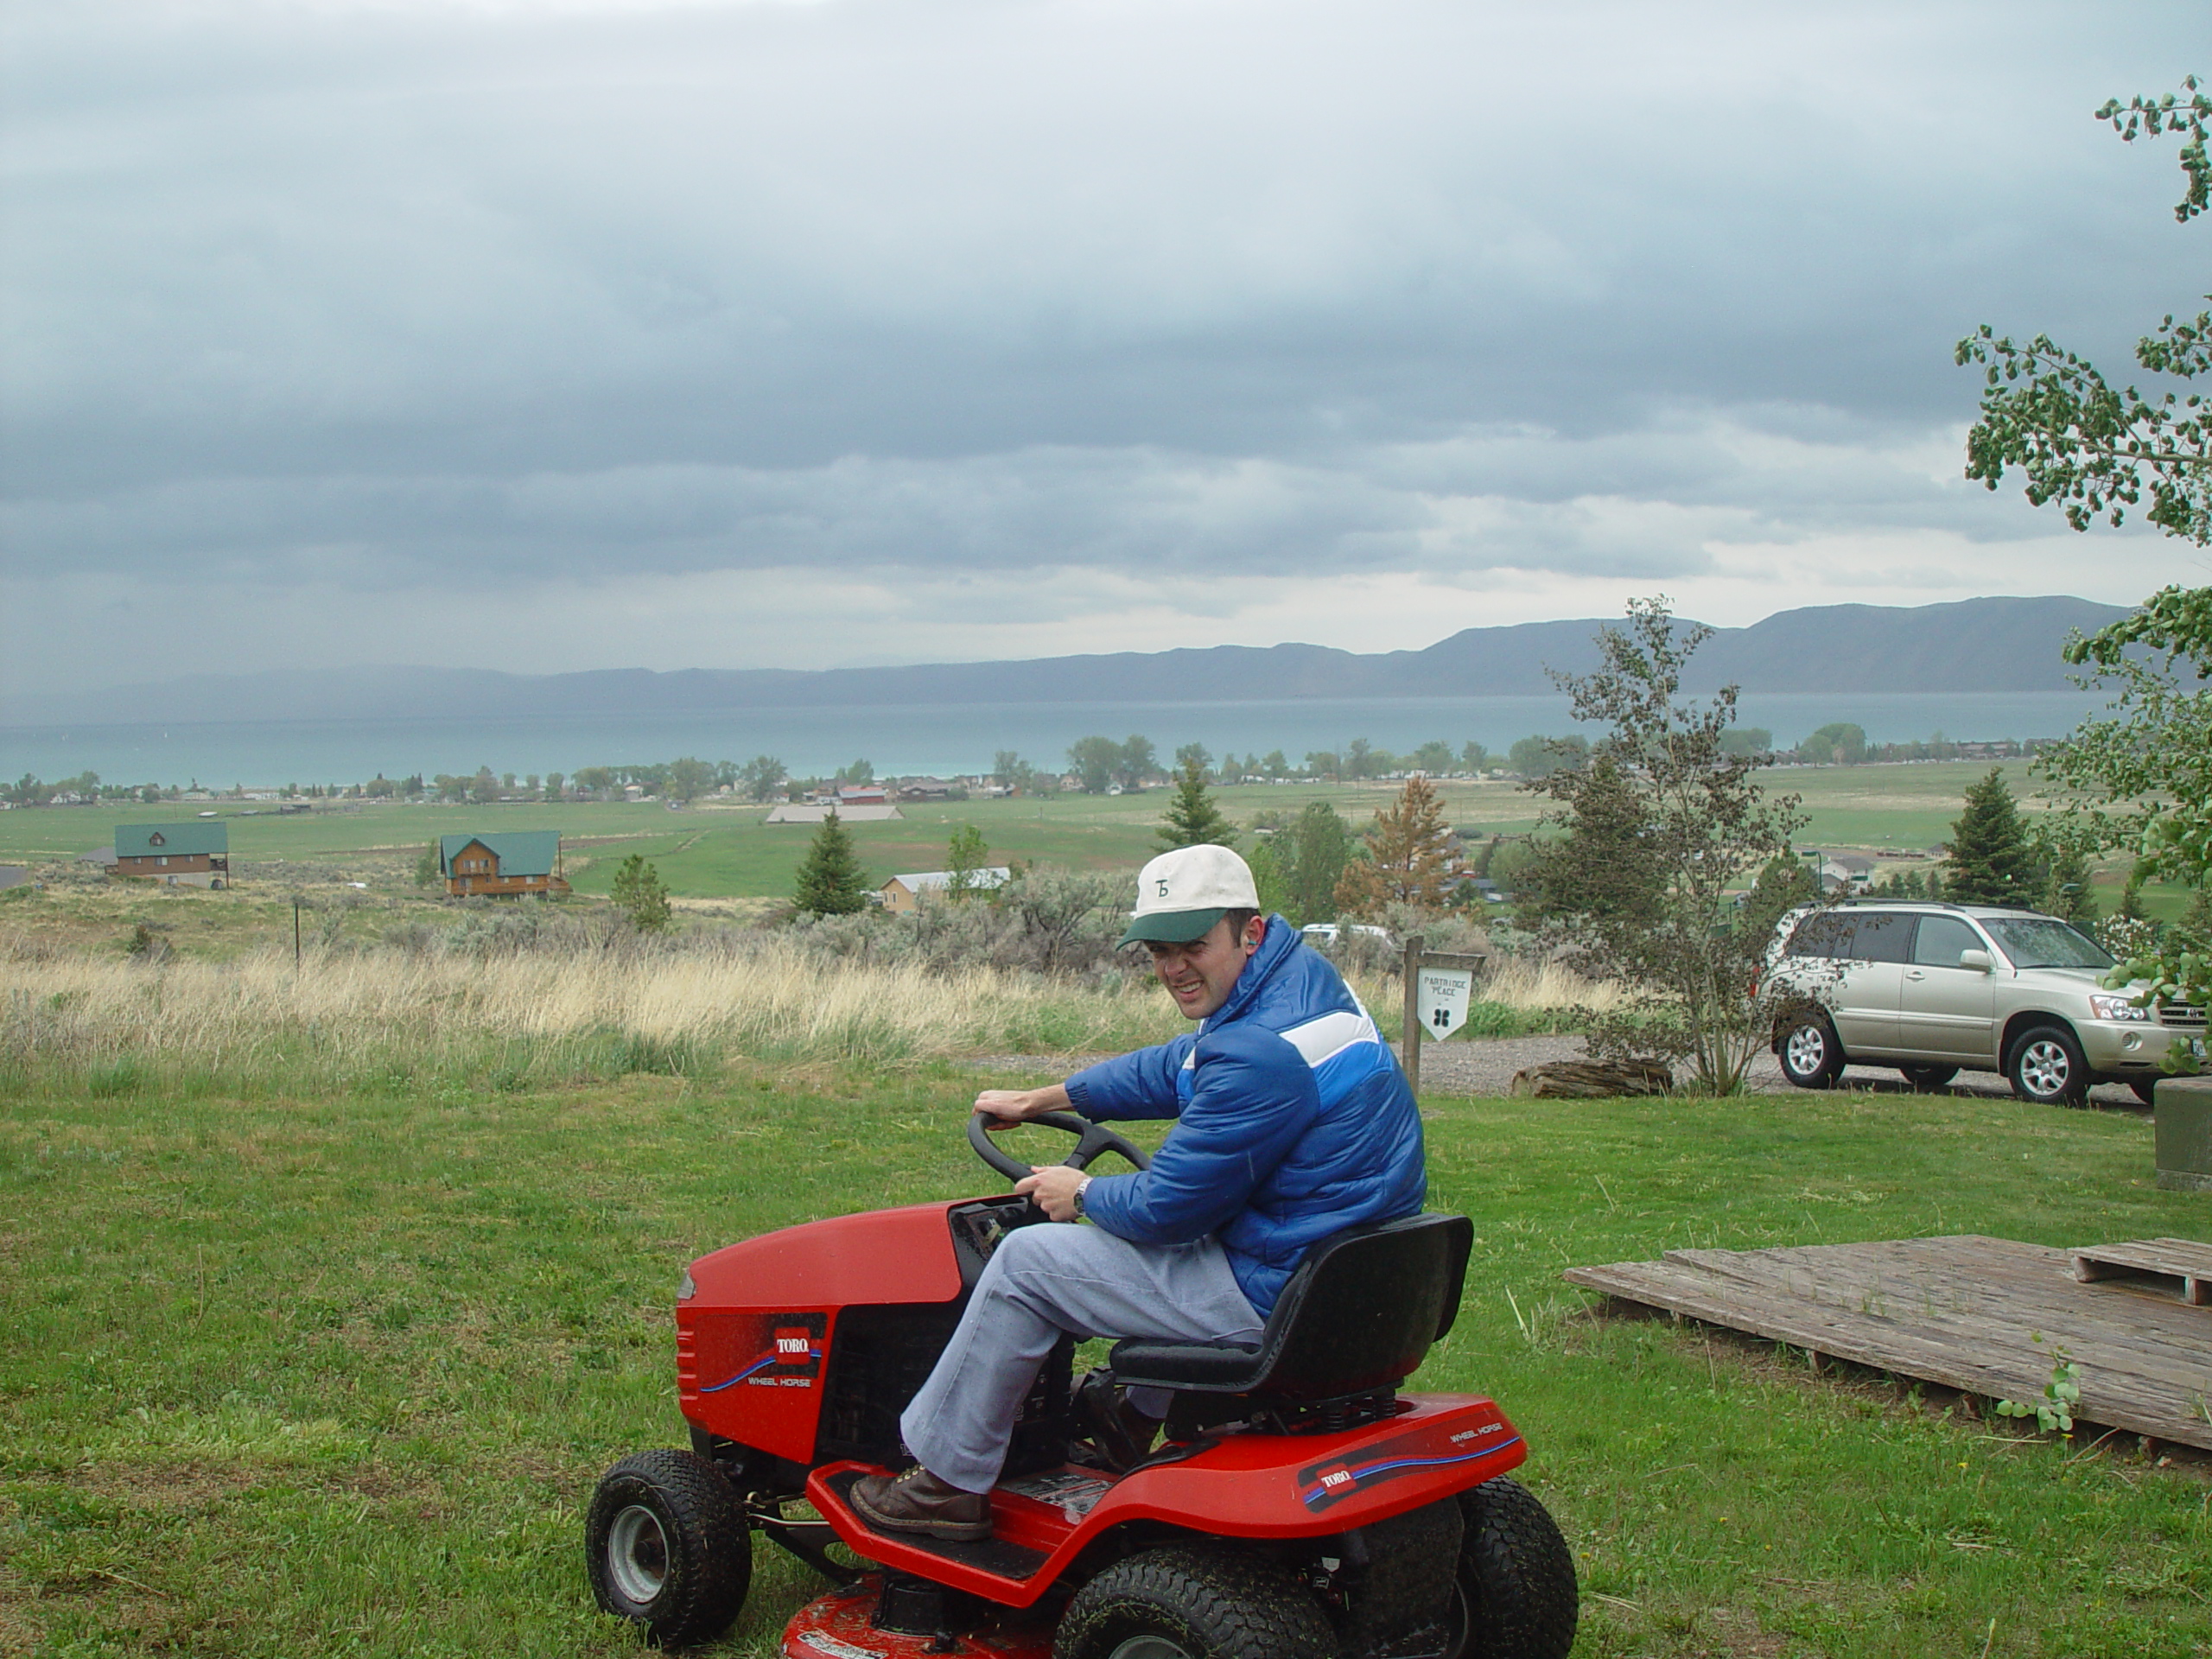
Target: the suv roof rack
pixel 1900 898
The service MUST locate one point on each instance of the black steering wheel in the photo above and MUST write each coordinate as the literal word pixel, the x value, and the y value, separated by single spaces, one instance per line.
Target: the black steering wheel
pixel 1094 1137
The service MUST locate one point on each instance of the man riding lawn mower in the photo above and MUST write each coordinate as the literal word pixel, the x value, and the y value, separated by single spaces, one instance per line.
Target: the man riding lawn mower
pixel 1269 1280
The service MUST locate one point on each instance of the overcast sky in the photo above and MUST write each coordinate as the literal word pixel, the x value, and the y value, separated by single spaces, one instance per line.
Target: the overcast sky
pixel 548 334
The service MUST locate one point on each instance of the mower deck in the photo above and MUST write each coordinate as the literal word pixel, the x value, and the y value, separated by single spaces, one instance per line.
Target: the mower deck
pixel 842 1625
pixel 1268 1485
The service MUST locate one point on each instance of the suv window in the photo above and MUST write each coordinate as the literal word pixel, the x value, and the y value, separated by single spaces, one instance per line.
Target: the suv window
pixel 2046 942
pixel 1939 940
pixel 1854 936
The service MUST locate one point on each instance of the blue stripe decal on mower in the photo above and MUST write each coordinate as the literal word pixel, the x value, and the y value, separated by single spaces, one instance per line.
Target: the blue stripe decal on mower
pixel 761 1363
pixel 1367 1471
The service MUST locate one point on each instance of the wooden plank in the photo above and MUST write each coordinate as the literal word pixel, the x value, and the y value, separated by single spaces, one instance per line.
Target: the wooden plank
pixel 2181 1267
pixel 1960 1310
pixel 1980 1288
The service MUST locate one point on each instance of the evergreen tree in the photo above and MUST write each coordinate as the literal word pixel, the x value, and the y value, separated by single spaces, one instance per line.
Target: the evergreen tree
pixel 1191 818
pixel 429 867
pixel 1993 861
pixel 1783 884
pixel 1410 854
pixel 2066 891
pixel 638 894
pixel 1319 845
pixel 830 881
pixel 1269 878
pixel 1605 866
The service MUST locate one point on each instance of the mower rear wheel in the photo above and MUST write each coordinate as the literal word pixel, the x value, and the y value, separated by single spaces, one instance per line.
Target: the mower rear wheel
pixel 667 1547
pixel 1177 1603
pixel 1518 1597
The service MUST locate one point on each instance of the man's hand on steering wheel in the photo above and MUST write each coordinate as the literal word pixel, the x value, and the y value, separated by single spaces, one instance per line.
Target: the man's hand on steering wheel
pixel 1002 1109
pixel 1052 1189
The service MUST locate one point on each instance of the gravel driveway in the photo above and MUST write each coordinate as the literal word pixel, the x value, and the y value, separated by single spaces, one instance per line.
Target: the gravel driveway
pixel 1487 1068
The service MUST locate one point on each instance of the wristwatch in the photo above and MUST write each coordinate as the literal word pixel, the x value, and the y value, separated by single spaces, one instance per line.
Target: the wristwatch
pixel 1079 1187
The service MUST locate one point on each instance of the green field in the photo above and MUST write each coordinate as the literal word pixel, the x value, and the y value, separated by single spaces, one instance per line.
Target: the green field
pixel 729 852
pixel 335 1372
pixel 718 852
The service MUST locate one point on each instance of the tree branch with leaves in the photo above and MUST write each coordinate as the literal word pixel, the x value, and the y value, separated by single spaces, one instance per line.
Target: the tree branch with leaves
pixel 2139 779
pixel 2095 450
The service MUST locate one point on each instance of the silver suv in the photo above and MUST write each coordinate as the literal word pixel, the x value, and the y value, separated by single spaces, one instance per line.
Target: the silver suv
pixel 1933 988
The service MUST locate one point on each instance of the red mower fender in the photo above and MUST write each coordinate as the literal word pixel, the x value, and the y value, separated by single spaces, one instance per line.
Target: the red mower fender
pixel 1261 1487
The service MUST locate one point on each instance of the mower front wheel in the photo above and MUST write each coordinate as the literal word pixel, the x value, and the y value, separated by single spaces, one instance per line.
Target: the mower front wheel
pixel 1176 1603
pixel 1518 1599
pixel 667 1547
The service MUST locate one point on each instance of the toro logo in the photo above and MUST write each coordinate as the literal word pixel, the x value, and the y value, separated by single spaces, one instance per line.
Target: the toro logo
pixel 1423 1452
pixel 774 1350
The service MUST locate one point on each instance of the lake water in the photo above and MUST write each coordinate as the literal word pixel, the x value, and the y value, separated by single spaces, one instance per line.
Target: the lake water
pixel 948 740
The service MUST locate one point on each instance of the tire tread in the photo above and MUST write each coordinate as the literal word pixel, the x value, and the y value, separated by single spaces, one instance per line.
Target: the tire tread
pixel 710 1553
pixel 1216 1603
pixel 1518 1576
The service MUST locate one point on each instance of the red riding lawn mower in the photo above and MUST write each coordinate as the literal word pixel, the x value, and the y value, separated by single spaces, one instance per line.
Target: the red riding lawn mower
pixel 1298 1506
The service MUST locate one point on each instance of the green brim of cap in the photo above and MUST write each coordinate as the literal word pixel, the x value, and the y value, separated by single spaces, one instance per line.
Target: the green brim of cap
pixel 1172 926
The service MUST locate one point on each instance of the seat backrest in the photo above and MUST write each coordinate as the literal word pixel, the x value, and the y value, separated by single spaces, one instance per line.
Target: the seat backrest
pixel 1363 1308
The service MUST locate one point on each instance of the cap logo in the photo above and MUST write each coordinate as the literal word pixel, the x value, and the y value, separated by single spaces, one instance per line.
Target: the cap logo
pixel 1162 885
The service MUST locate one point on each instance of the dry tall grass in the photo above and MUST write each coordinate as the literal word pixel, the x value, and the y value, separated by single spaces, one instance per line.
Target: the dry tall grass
pixel 1515 983
pixel 352 1012
pixel 540 1014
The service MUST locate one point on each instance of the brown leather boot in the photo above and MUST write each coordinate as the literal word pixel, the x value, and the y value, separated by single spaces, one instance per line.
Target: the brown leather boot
pixel 918 1501
pixel 1105 1416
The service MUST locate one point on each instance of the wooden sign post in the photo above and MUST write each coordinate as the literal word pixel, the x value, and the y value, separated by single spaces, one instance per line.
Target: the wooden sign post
pixel 1440 984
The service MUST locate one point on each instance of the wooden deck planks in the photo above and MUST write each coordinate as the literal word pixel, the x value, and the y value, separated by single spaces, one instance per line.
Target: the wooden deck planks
pixel 2180 1265
pixel 1960 1310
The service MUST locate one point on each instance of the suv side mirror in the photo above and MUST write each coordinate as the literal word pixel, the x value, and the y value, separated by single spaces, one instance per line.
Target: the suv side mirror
pixel 1978 960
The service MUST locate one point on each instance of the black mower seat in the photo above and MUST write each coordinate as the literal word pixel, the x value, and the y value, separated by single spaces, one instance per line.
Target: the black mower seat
pixel 1359 1313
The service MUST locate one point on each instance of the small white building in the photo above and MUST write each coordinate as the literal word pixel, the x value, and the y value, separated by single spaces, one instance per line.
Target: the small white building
pixel 814 812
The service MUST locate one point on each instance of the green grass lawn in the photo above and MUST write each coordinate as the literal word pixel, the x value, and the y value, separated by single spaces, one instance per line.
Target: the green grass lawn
pixel 731 852
pixel 336 1373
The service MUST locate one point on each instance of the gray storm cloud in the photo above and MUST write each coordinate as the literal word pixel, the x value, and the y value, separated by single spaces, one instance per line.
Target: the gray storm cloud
pixel 382 296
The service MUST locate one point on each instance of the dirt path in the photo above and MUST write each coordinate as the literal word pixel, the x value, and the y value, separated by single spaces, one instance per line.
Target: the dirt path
pixel 1487 1068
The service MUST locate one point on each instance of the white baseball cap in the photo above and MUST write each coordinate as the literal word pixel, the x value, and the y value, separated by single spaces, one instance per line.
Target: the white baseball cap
pixel 1183 893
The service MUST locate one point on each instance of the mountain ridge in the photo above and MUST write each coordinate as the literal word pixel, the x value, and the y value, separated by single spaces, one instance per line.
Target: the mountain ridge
pixel 1996 643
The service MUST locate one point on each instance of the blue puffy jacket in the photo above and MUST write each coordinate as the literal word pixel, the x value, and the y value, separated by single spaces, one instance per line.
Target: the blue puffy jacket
pixel 1293 1121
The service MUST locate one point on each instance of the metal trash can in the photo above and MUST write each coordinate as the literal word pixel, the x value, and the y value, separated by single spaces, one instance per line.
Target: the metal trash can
pixel 2184 1134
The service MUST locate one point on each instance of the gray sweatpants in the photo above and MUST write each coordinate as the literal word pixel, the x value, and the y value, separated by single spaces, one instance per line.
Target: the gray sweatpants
pixel 1043 1280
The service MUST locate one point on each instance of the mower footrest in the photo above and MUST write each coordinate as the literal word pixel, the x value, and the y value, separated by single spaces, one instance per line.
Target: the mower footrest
pixel 995 1556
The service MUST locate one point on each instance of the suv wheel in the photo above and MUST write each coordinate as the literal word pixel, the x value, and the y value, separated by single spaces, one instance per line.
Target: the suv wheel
pixel 2047 1068
pixel 1811 1057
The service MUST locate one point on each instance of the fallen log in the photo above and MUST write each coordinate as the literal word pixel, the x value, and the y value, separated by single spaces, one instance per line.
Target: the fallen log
pixel 1593 1079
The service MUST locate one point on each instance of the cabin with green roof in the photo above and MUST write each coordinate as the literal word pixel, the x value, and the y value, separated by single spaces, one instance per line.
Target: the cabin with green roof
pixel 175 854
pixel 507 864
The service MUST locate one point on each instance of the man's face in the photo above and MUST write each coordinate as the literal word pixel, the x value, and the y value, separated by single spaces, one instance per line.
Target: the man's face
pixel 1199 976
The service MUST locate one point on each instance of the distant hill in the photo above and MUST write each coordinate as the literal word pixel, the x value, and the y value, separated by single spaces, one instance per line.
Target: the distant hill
pixel 1974 645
